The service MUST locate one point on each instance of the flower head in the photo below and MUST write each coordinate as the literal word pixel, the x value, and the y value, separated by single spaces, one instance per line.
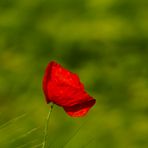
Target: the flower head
pixel 64 88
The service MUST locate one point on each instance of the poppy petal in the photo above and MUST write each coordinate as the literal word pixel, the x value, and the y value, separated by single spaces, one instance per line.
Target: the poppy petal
pixel 66 95
pixel 79 110
pixel 60 75
pixel 46 80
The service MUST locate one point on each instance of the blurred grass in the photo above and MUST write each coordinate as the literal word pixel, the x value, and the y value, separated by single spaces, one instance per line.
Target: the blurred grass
pixel 105 42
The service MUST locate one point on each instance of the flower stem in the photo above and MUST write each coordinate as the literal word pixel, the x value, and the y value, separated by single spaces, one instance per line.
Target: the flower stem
pixel 46 126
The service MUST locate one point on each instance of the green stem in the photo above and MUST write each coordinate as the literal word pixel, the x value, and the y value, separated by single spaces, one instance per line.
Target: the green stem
pixel 46 126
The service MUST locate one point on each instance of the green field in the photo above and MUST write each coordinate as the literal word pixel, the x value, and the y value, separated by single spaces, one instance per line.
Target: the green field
pixel 104 41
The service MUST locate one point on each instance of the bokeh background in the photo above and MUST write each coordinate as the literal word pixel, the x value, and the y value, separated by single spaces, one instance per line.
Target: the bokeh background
pixel 104 41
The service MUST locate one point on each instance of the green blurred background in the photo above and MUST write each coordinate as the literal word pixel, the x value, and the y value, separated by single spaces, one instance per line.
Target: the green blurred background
pixel 104 41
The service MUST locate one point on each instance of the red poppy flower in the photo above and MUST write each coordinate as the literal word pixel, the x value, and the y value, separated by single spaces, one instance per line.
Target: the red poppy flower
pixel 64 88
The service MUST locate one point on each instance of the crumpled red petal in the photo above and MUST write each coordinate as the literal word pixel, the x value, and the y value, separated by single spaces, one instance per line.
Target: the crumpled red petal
pixel 65 89
pixel 79 110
